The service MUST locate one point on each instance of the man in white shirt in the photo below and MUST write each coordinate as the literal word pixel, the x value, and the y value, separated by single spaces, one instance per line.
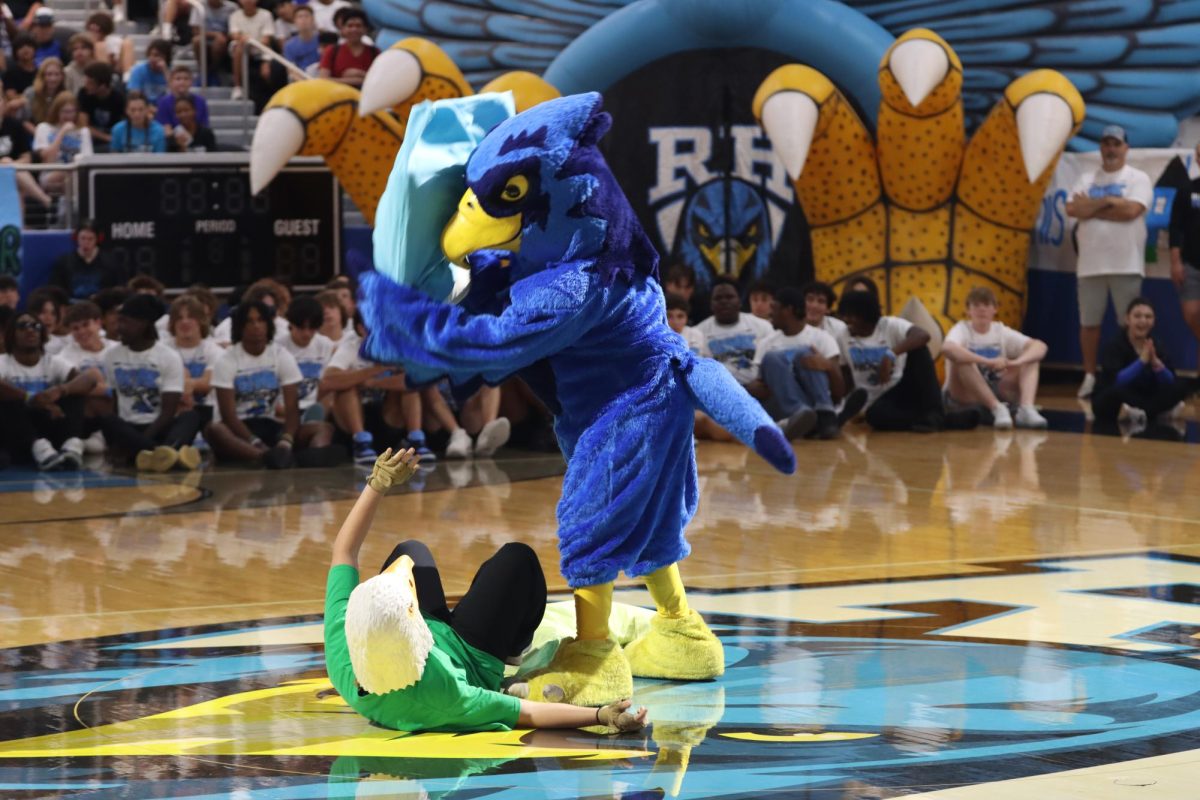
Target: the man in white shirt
pixel 733 336
pixel 312 352
pixel 1111 234
pixel 249 23
pixel 891 361
pixel 86 352
pixel 800 373
pixel 147 378
pixel 990 364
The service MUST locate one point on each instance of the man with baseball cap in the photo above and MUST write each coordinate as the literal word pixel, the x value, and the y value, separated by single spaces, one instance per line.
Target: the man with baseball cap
pixel 1109 205
pixel 44 36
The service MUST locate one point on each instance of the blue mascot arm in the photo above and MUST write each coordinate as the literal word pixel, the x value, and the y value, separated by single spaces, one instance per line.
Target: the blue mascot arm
pixel 548 312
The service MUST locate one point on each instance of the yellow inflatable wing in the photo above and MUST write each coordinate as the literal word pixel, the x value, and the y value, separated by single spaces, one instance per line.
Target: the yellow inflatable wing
pixel 359 134
pixel 919 210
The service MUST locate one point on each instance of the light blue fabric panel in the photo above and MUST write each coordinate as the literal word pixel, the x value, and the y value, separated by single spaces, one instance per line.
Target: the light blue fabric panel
pixel 426 183
pixel 10 224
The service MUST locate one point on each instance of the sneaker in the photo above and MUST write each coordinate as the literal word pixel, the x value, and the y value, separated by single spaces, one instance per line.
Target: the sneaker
pixel 932 422
pixel 72 454
pixel 278 457
pixel 965 419
pixel 95 444
pixel 189 457
pixel 160 459
pixel 1001 418
pixel 493 436
pixel 364 451
pixel 798 424
pixel 827 425
pixel 1088 386
pixel 416 440
pixel 45 456
pixel 460 444
pixel 853 405
pixel 1028 417
pixel 237 94
pixel 1134 415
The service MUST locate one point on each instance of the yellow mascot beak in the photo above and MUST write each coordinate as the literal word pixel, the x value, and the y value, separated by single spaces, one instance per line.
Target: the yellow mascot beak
pixel 471 228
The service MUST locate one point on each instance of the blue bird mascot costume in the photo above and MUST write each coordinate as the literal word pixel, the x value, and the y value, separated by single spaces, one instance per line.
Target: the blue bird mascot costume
pixel 564 292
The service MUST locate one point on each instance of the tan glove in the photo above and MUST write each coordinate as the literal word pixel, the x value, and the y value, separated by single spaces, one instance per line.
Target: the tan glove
pixel 392 469
pixel 620 719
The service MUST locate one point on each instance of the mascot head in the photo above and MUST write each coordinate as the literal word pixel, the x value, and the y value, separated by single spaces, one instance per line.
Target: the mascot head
pixel 539 191
pixel 387 637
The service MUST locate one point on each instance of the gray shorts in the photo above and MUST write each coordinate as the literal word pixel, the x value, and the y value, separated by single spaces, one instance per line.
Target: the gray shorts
pixel 1191 283
pixel 1093 296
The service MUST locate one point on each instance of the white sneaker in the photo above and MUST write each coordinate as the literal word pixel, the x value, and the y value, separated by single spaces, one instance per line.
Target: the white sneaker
pixel 1134 415
pixel 1088 386
pixel 493 436
pixel 72 454
pixel 237 94
pixel 1028 417
pixel 45 456
pixel 460 445
pixel 1001 418
pixel 95 444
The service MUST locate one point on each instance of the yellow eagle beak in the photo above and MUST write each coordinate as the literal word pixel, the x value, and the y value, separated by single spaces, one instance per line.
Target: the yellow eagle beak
pixel 471 228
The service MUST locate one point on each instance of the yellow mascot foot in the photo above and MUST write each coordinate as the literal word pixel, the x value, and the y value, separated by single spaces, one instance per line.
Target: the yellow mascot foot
pixel 587 672
pixel 677 648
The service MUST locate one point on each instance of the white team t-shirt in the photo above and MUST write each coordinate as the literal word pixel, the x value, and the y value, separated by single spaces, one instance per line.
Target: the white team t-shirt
pixel 1113 248
pixel 734 345
pixel 198 360
pixel 139 380
pixel 81 359
pixel 256 27
pixel 48 371
pixel 867 352
pixel 346 357
pixel 696 341
pixel 999 339
pixel 812 338
pixel 311 360
pixel 323 14
pixel 55 343
pixel 257 381
pixel 840 333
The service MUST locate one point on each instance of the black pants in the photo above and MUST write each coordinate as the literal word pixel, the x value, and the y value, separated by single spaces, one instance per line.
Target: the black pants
pixel 1106 404
pixel 916 398
pixel 21 426
pixel 501 610
pixel 132 439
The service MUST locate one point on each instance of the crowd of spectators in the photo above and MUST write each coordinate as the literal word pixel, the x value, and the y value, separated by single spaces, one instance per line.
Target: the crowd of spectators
pixel 67 93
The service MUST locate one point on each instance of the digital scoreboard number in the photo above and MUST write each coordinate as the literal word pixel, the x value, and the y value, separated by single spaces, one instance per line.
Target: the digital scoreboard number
pixel 199 224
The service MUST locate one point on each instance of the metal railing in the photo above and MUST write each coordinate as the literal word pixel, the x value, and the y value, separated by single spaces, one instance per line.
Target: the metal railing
pixel 65 207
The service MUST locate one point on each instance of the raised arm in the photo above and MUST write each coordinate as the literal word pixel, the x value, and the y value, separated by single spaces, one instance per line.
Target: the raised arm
pixel 391 469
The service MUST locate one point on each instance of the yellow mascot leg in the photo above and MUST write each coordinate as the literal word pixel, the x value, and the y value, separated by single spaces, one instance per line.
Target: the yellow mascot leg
pixel 589 669
pixel 679 646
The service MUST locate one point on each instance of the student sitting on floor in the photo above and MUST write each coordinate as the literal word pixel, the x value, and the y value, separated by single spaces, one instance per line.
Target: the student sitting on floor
pixel 678 311
pixel 891 361
pixel 147 378
pixel 250 377
pixel 311 350
pixel 401 657
pixel 991 365
pixel 188 329
pixel 371 402
pixel 800 372
pixel 41 399
pixel 86 352
pixel 1136 380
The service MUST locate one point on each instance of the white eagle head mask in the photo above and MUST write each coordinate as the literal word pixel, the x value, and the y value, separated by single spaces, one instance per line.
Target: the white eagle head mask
pixel 385 632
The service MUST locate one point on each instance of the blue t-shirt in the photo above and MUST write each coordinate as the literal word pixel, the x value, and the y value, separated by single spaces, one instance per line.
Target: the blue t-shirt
pixel 301 53
pixel 128 139
pixel 147 81
pixel 165 113
pixel 51 49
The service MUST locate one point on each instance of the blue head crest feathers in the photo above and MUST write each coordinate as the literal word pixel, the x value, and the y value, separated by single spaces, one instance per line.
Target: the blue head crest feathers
pixel 572 208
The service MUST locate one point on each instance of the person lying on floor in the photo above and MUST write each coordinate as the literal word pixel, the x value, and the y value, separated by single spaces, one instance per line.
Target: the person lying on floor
pixel 399 656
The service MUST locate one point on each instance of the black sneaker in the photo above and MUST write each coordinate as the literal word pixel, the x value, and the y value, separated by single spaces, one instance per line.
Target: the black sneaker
pixel 799 424
pixel 827 425
pixel 855 401
pixel 930 423
pixel 965 420
pixel 278 457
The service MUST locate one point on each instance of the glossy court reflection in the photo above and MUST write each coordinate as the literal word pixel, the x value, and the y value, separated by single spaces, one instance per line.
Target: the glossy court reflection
pixel 910 615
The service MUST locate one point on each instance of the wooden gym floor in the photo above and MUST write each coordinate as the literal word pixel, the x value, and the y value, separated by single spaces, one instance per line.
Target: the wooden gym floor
pixel 966 615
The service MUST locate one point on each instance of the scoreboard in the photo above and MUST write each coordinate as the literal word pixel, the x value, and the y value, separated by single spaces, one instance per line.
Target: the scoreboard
pixel 195 221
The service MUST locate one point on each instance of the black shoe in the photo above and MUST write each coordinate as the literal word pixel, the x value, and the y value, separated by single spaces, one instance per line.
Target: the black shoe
pixel 278 457
pixel 930 423
pixel 965 420
pixel 799 424
pixel 827 425
pixel 855 401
